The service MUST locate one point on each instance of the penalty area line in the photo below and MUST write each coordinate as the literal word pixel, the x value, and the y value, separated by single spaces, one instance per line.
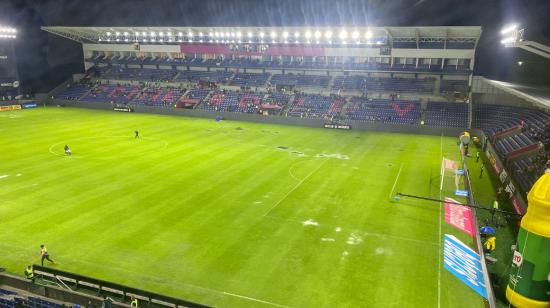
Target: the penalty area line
pixel 396 179
pixel 254 299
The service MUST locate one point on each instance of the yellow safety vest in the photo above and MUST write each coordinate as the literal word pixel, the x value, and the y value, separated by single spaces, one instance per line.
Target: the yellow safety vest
pixel 29 273
pixel 134 303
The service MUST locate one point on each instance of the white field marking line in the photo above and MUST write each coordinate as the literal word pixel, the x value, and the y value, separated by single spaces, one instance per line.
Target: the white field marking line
pixel 439 240
pixel 254 299
pixel 294 165
pixel 362 232
pixel 295 187
pixel 396 179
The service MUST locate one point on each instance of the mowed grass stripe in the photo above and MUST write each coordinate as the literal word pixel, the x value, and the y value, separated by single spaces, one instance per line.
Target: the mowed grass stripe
pixel 127 211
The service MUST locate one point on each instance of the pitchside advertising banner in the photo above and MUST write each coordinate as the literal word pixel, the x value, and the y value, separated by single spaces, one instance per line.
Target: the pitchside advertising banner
pixel 459 216
pixel 464 263
pixel 337 126
pixel 10 107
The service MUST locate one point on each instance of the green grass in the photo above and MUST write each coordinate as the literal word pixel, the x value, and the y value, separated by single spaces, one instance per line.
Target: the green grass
pixel 215 212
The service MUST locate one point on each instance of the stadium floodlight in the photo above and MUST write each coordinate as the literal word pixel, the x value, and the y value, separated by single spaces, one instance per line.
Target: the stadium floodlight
pixel 508 29
pixel 200 41
pixel 355 35
pixel 368 34
pixel 125 33
pixel 249 34
pixel 273 34
pixel 227 34
pixel 317 34
pixel 262 34
pixel 308 34
pixel 190 34
pixel 296 41
pixel 249 41
pixel 239 34
pixel 190 41
pixel 285 34
pixel 152 40
pixel 137 34
pixel 161 34
pixel 330 42
pixel 201 34
pixel 508 40
pixel 344 42
pixel 180 34
pixel 379 43
pixel 297 34
pixel 308 41
pixel 358 42
pixel 343 34
pixel 232 34
pixel 108 33
pixel 108 39
pixel 328 34
pixel 126 39
pixel 152 33
pixel 520 63
pixel 117 33
pixel 211 34
pixel 211 41
pixel 144 33
pixel 168 33
pixel 317 42
pixel 216 34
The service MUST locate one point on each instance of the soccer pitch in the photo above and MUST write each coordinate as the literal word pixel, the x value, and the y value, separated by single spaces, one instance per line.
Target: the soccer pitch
pixel 230 214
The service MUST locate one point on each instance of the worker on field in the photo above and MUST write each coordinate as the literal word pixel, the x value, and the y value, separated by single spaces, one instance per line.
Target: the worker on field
pixel 481 171
pixel 45 255
pixel 494 214
pixel 490 244
pixel 29 273
pixel 136 134
pixel 134 302
pixel 477 156
pixel 67 150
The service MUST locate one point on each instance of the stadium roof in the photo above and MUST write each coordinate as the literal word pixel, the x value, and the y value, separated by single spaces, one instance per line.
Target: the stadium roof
pixel 537 94
pixel 172 35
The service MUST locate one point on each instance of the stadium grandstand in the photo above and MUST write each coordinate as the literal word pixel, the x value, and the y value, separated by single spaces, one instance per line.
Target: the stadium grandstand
pixel 308 167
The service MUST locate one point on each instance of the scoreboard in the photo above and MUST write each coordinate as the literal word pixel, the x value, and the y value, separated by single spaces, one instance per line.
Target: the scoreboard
pixel 9 79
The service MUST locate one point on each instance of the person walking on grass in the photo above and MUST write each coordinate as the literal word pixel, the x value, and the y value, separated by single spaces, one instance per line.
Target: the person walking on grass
pixel 45 255
pixel 477 156
pixel 481 171
pixel 136 134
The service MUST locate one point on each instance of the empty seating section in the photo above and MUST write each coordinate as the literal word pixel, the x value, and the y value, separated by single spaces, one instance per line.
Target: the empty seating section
pixel 127 94
pixel 525 172
pixel 303 81
pixel 142 74
pixel 277 63
pixel 199 94
pixel 10 299
pixel 386 111
pixel 447 114
pixel 230 101
pixel 495 118
pixel 73 92
pixel 359 82
pixel 350 82
pixel 212 76
pixel 315 106
pixel 513 143
pixel 250 79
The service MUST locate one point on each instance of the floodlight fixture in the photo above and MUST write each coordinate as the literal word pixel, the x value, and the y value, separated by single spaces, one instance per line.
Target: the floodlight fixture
pixel 317 34
pixel 368 34
pixel 285 34
pixel 262 34
pixel 328 34
pixel 297 34
pixel 308 34
pixel 355 34
pixel 161 34
pixel 343 34
pixel 239 34
pixel 249 34
pixel 273 34
pixel 508 29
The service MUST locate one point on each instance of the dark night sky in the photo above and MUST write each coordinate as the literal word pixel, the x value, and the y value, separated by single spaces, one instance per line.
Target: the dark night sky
pixel 45 60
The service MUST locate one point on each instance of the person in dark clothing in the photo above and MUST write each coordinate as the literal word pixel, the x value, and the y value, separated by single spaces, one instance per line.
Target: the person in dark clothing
pixel 477 156
pixel 136 134
pixel 481 171
pixel 67 150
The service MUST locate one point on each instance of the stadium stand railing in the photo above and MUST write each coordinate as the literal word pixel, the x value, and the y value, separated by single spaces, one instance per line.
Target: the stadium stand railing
pixel 118 292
